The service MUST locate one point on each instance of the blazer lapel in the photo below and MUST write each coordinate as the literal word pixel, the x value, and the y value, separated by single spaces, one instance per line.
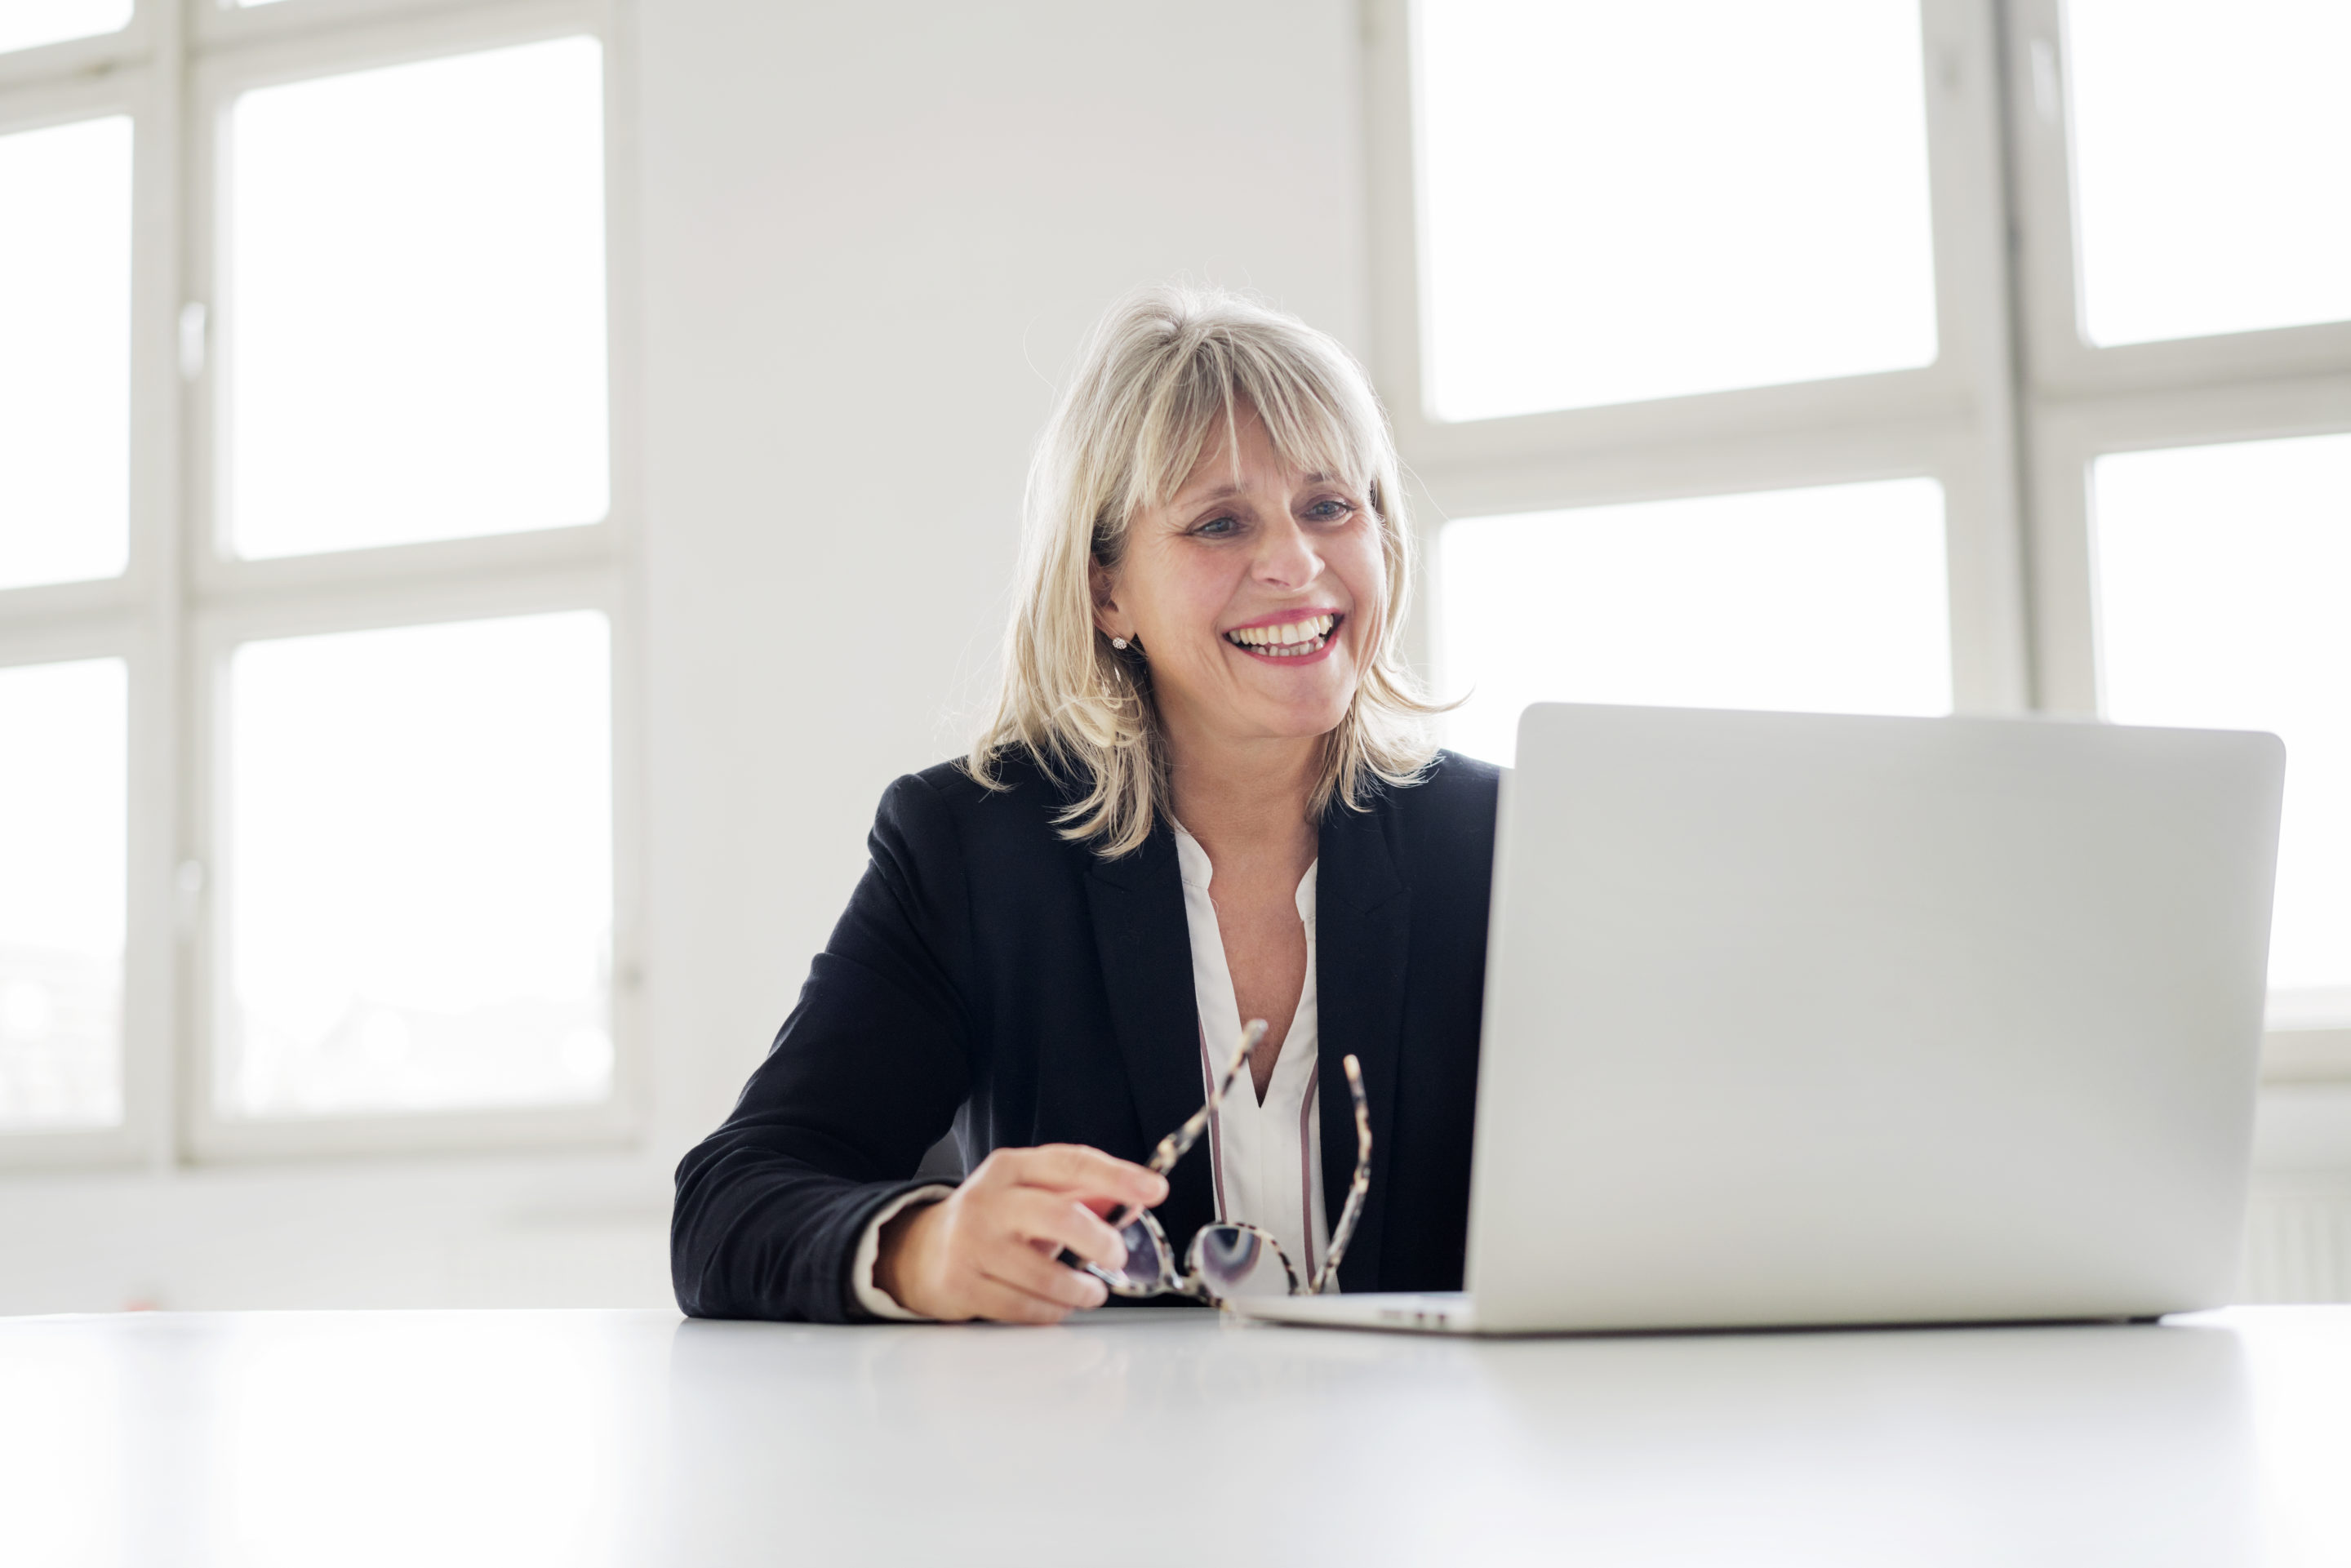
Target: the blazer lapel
pixel 1145 943
pixel 1362 929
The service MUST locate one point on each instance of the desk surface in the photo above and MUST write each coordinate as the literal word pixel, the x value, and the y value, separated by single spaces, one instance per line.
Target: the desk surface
pixel 582 1439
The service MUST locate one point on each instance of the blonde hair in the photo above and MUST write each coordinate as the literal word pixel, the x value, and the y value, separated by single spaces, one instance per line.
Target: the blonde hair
pixel 1164 371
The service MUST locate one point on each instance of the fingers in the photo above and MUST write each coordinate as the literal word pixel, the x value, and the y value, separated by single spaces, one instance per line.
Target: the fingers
pixel 1053 1220
pixel 1056 1293
pixel 1010 1281
pixel 1035 1275
pixel 1075 1168
pixel 989 1251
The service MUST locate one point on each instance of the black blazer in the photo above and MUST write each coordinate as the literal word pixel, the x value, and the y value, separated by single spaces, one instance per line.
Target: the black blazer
pixel 991 975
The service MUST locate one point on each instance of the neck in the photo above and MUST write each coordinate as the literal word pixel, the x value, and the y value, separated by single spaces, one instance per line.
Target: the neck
pixel 1248 796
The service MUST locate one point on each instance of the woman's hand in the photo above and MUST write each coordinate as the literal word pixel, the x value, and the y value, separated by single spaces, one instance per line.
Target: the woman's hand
pixel 987 1251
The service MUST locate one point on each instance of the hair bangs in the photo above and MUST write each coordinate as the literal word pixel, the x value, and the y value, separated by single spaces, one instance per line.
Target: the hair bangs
pixel 1211 385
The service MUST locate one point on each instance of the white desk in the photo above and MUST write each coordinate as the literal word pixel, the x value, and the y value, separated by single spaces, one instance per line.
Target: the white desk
pixel 581 1438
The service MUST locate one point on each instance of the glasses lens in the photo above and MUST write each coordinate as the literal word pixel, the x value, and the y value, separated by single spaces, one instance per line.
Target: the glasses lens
pixel 1147 1263
pixel 1234 1260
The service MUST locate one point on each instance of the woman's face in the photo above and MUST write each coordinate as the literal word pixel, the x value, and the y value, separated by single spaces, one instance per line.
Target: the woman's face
pixel 1253 595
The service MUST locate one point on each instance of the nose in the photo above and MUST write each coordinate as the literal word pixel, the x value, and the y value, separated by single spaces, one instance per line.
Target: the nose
pixel 1287 560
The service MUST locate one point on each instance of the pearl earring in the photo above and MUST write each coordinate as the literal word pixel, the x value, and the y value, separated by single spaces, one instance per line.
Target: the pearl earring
pixel 1118 641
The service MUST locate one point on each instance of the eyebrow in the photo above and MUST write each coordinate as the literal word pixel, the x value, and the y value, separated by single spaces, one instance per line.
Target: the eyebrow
pixel 1228 490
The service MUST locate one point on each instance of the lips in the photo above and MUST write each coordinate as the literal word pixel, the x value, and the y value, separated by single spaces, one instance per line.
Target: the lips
pixel 1299 637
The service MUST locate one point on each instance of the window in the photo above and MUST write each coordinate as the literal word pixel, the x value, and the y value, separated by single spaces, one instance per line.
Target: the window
pixel 1634 202
pixel 27 23
pixel 313 647
pixel 2217 210
pixel 418 911
pixel 1754 600
pixel 413 285
pixel 1888 356
pixel 2224 574
pixel 65 380
pixel 62 817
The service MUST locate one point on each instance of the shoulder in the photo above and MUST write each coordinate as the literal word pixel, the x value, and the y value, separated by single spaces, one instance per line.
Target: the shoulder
pixel 943 808
pixel 1440 829
pixel 1456 782
pixel 1455 794
pixel 1021 789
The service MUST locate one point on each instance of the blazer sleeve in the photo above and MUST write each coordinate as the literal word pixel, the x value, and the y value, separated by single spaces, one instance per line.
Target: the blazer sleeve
pixel 865 1075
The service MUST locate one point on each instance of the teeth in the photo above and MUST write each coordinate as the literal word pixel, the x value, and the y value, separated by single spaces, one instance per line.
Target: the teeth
pixel 1293 636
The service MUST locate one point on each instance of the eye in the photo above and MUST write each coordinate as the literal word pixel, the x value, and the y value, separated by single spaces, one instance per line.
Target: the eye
pixel 1218 527
pixel 1329 509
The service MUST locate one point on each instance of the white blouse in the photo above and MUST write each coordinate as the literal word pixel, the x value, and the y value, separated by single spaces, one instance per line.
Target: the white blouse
pixel 1265 1157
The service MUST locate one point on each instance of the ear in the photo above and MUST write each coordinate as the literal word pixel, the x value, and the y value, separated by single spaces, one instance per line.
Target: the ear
pixel 1110 619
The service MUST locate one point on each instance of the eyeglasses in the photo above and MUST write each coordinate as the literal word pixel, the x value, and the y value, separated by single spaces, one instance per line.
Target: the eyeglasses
pixel 1228 1260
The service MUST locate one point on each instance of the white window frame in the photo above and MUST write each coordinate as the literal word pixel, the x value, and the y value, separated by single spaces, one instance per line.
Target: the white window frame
pixel 183 605
pixel 2009 418
pixel 134 616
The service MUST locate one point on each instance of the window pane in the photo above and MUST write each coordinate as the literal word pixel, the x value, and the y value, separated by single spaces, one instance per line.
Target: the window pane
pixel 62 820
pixel 1639 201
pixel 2210 158
pixel 416 326
pixel 419 877
pixel 25 23
pixel 1825 600
pixel 65 352
pixel 2223 575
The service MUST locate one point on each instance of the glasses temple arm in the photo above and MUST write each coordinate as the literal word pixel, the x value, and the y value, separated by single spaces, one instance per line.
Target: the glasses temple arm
pixel 1178 1144
pixel 1345 1230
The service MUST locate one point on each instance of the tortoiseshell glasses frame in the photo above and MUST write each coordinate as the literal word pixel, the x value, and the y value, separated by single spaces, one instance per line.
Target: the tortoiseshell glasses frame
pixel 1227 1259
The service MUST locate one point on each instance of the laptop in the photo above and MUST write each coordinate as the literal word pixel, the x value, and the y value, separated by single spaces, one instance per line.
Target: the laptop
pixel 1797 1019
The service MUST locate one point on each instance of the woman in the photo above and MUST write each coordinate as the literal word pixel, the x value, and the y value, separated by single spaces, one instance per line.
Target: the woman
pixel 1206 796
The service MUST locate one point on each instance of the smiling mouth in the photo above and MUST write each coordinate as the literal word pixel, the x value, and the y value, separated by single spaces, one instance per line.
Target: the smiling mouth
pixel 1290 640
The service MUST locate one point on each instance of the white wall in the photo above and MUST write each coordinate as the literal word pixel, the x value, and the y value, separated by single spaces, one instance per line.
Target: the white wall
pixel 873 236
pixel 869 238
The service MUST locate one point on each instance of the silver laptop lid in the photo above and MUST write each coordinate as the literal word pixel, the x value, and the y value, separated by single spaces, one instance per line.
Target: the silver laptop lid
pixel 1795 1018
